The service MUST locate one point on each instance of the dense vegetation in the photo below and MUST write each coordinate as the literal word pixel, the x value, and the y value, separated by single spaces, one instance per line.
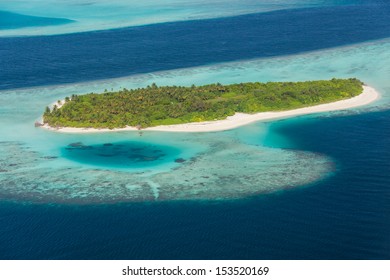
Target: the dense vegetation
pixel 165 105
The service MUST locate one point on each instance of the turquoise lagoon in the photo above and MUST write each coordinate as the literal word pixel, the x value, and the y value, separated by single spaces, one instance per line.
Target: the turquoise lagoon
pixel 311 187
pixel 9 20
pixel 98 15
pixel 36 165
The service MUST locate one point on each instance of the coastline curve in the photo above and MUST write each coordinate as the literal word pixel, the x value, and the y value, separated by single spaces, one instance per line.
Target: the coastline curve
pixel 368 96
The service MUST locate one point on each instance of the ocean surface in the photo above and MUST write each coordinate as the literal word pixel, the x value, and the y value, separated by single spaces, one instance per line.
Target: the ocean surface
pixel 311 187
pixel 9 20
pixel 143 49
pixel 102 15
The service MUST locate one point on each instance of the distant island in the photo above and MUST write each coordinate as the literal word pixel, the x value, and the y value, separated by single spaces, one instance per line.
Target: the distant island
pixel 167 106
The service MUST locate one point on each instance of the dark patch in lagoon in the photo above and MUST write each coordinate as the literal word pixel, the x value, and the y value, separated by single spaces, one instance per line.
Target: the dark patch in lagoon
pixel 150 158
pixel 141 157
pixel 180 160
pixel 104 155
pixel 130 154
pixel 76 144
pixel 138 149
pixel 49 157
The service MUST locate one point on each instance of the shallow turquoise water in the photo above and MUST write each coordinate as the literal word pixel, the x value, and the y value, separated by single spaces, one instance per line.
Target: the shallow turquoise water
pixel 129 155
pixel 99 14
pixel 218 165
pixel 9 20
pixel 233 164
pixel 323 179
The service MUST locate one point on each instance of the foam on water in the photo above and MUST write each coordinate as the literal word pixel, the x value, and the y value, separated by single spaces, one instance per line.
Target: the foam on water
pixel 99 14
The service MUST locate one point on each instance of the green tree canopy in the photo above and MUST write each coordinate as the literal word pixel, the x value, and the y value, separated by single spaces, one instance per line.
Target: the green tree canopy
pixel 164 105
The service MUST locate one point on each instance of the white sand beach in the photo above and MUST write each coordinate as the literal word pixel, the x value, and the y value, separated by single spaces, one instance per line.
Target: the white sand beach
pixel 368 95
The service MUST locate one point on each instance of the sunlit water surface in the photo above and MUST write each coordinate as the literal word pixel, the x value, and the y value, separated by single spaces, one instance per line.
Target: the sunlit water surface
pixel 218 165
pixel 97 15
pixel 304 188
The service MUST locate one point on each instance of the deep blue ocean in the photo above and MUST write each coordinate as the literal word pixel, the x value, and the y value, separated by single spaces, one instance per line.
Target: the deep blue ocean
pixel 345 216
pixel 44 60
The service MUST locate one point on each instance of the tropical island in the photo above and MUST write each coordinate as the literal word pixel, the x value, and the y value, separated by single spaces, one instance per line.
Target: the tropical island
pixel 165 107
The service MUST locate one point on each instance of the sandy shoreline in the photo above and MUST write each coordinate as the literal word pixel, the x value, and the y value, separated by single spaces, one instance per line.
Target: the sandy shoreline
pixel 368 95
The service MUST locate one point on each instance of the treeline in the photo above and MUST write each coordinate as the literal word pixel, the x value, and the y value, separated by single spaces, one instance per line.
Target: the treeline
pixel 155 105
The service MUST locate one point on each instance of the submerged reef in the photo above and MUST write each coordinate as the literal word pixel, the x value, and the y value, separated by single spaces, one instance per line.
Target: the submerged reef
pixel 226 170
